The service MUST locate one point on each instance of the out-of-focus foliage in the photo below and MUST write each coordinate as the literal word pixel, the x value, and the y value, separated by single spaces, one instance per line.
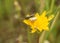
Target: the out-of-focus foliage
pixel 13 30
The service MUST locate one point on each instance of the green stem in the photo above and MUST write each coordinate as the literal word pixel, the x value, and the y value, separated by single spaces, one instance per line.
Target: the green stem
pixel 52 6
pixel 29 36
pixel 47 4
pixel 42 37
pixel 54 21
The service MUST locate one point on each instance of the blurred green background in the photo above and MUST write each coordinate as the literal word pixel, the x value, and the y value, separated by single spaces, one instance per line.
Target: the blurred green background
pixel 12 14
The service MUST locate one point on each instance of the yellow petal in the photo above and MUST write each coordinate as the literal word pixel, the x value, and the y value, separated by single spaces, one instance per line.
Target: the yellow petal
pixel 50 17
pixel 40 29
pixel 36 15
pixel 44 13
pixel 46 28
pixel 33 30
pixel 26 21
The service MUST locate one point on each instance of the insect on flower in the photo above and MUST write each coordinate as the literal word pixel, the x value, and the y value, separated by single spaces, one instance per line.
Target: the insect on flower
pixel 30 17
pixel 38 22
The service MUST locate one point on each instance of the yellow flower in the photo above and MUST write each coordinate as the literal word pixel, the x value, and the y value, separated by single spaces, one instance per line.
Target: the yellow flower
pixel 40 23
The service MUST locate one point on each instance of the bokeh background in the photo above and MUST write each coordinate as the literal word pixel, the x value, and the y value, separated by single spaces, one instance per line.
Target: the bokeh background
pixel 12 14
